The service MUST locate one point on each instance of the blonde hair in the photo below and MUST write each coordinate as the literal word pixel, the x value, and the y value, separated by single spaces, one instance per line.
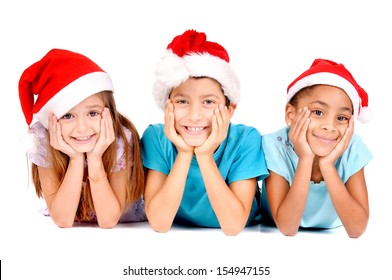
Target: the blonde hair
pixel 132 150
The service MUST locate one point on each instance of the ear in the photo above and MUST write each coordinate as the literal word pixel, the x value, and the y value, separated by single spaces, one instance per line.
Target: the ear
pixel 290 114
pixel 231 109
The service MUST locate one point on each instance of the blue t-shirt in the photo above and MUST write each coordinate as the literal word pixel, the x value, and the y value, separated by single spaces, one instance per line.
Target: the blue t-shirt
pixel 239 157
pixel 281 159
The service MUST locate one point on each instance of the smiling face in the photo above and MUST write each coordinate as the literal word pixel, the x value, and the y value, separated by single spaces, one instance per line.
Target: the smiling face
pixel 330 110
pixel 80 126
pixel 194 103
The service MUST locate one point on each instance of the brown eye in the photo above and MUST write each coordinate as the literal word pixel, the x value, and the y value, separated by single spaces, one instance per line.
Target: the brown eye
pixel 209 102
pixel 181 101
pixel 343 118
pixel 318 112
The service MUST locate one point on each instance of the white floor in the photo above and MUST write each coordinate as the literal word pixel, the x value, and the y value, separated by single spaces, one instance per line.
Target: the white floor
pixel 37 249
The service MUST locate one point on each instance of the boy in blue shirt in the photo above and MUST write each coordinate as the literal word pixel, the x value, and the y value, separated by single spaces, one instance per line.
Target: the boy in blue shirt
pixel 201 169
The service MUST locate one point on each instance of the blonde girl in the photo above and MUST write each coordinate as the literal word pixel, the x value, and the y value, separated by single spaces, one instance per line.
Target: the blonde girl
pixel 86 161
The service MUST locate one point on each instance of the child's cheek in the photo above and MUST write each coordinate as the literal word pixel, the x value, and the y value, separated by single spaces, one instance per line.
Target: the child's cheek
pixel 210 112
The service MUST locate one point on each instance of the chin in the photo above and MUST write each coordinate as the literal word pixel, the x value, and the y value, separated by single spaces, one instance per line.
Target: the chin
pixel 83 148
pixel 195 142
pixel 83 151
pixel 321 153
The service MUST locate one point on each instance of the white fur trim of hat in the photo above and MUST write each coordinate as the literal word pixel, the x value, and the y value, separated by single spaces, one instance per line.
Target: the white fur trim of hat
pixel 200 58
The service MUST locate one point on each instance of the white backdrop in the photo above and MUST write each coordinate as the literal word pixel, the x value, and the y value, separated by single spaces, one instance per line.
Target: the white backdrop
pixel 270 43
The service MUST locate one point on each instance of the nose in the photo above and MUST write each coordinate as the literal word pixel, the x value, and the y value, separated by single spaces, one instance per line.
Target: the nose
pixel 81 124
pixel 328 125
pixel 194 112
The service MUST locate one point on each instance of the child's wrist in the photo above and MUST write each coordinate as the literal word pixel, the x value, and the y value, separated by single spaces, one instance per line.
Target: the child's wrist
pixel 98 178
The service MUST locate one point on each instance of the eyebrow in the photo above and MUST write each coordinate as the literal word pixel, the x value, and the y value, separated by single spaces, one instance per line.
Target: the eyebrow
pixel 343 108
pixel 179 94
pixel 211 95
pixel 203 96
pixel 94 106
pixel 90 107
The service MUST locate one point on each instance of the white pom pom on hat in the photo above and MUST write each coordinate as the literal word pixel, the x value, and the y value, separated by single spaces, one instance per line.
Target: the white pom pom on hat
pixel 327 72
pixel 191 55
pixel 28 142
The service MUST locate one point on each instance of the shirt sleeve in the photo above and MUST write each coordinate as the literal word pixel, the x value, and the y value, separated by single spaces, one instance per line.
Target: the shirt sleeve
pixel 155 147
pixel 279 154
pixel 250 161
pixel 39 156
pixel 354 158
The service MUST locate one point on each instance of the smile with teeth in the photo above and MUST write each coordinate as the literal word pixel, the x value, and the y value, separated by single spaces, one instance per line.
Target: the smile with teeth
pixel 195 129
pixel 82 139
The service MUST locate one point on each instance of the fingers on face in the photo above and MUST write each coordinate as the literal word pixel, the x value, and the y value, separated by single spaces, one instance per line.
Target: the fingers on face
pixel 107 124
pixel 350 128
pixel 169 112
pixel 222 114
pixel 303 118
pixel 301 122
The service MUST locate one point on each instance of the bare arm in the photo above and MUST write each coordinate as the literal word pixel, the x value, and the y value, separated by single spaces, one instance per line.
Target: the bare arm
pixel 232 204
pixel 108 193
pixel 288 203
pixel 163 193
pixel 350 200
pixel 62 201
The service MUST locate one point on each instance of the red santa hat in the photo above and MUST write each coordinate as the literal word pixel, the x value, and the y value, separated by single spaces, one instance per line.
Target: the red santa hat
pixel 191 55
pixel 60 80
pixel 327 72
